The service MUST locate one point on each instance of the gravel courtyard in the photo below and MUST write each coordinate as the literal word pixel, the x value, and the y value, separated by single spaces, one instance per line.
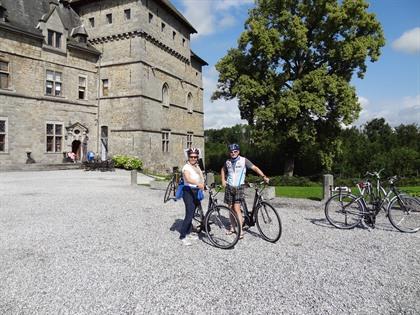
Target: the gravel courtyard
pixel 75 242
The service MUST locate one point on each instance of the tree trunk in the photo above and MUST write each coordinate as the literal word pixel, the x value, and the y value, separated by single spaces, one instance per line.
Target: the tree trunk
pixel 289 166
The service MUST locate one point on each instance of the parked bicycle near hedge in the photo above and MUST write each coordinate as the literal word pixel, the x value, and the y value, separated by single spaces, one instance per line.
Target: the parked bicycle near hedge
pixel 345 210
pixel 172 186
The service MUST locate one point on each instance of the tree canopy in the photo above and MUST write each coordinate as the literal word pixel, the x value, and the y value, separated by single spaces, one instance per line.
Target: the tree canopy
pixel 292 68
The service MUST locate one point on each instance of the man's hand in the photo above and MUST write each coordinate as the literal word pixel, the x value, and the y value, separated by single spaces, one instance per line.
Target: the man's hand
pixel 266 179
pixel 223 183
pixel 200 186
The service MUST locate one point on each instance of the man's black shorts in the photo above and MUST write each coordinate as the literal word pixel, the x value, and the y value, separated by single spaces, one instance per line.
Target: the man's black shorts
pixel 234 194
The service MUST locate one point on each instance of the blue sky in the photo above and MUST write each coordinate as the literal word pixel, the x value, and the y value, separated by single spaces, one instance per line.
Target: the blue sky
pixel 390 89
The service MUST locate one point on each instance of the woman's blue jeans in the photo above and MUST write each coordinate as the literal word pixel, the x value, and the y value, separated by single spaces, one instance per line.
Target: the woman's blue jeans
pixel 190 200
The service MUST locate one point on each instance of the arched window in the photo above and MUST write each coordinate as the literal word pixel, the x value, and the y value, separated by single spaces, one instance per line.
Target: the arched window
pixel 165 95
pixel 190 104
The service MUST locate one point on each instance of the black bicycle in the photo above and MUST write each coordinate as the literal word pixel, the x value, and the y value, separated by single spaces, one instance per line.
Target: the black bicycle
pixel 172 187
pixel 220 223
pixel 263 214
pixel 345 210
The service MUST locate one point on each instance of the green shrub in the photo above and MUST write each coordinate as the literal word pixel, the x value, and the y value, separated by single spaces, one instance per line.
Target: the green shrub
pixel 127 162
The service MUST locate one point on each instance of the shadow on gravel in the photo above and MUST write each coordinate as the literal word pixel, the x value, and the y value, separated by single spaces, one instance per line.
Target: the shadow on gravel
pixel 176 226
pixel 320 222
pixel 379 225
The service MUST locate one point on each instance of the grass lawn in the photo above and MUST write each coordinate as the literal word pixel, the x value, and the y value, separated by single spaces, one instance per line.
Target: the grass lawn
pixel 315 193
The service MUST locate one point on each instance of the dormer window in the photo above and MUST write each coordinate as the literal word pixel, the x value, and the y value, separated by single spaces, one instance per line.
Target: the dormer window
pixel 54 39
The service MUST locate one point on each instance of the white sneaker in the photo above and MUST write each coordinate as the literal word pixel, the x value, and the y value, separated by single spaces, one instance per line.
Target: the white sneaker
pixel 192 237
pixel 186 242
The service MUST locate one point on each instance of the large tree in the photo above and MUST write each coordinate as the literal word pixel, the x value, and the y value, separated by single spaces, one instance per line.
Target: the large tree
pixel 292 68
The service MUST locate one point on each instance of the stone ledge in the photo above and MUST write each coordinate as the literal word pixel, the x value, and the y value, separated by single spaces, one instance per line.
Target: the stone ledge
pixel 40 167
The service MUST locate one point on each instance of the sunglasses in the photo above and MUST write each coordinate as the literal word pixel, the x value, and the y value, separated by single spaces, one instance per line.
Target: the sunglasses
pixel 234 151
pixel 193 157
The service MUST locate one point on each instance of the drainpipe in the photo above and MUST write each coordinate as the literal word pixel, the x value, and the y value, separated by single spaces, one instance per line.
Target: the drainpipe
pixel 98 130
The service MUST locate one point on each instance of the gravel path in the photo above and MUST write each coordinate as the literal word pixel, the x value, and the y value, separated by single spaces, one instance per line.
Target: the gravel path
pixel 74 242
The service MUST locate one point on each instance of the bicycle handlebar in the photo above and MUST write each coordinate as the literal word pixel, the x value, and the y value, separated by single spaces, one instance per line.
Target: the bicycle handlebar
pixel 375 174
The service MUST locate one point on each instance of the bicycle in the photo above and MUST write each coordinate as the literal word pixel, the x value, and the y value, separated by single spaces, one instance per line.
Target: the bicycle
pixel 263 214
pixel 345 210
pixel 218 222
pixel 172 186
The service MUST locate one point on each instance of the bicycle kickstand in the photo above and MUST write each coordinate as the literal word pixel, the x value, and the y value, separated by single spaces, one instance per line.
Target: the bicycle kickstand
pixel 364 225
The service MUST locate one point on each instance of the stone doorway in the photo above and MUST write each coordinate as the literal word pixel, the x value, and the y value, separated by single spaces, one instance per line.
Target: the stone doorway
pixel 75 148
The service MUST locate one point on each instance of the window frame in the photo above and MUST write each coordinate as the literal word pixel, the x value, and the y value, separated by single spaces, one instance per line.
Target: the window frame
pixel 5 133
pixel 92 22
pixel 79 86
pixel 190 139
pixel 127 17
pixel 54 83
pixel 165 140
pixel 6 73
pixel 190 103
pixel 55 42
pixel 54 137
pixel 103 87
pixel 166 100
pixel 108 18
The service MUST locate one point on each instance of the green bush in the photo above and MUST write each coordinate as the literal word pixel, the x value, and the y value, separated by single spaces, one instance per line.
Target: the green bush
pixel 127 162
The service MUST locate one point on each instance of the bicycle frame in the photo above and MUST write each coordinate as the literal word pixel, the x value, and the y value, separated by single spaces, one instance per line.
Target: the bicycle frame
pixel 249 216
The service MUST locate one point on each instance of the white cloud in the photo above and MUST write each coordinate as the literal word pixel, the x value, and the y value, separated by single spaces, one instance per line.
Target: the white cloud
pixel 220 113
pixel 207 16
pixel 227 4
pixel 227 21
pixel 409 42
pixel 403 111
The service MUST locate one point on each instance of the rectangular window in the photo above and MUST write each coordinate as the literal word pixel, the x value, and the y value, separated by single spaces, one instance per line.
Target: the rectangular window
pixel 150 17
pixel 127 14
pixel 189 139
pixel 4 74
pixel 165 141
pixel 3 134
pixel 53 84
pixel 82 88
pixel 54 137
pixel 162 27
pixel 105 87
pixel 109 18
pixel 173 35
pixel 183 42
pixel 92 22
pixel 54 39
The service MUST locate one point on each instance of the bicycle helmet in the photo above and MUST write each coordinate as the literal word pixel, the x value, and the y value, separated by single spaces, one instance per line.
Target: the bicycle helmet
pixel 233 147
pixel 193 151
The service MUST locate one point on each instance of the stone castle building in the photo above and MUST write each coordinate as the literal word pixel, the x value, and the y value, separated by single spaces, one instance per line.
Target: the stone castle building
pixel 107 76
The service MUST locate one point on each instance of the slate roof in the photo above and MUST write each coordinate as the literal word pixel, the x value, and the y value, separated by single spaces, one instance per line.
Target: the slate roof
pixel 24 15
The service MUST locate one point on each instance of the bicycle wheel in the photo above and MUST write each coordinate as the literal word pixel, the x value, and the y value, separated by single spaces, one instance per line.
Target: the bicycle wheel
pixel 170 191
pixel 268 222
pixel 404 213
pixel 343 211
pixel 222 227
